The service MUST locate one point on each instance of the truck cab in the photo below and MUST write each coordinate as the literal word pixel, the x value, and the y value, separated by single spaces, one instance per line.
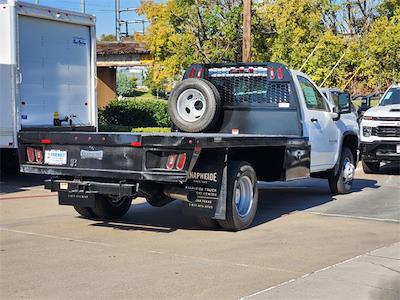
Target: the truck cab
pixel 380 131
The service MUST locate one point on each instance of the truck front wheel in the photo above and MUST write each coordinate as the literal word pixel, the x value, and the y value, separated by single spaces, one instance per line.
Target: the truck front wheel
pixel 371 167
pixel 111 207
pixel 242 196
pixel 342 182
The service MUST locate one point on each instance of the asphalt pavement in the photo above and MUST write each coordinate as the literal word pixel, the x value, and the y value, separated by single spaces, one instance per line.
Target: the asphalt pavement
pixel 304 244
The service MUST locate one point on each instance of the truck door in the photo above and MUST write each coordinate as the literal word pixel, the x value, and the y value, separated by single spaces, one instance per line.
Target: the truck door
pixel 322 131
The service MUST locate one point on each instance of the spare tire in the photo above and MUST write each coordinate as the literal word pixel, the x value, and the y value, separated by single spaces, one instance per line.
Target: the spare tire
pixel 194 105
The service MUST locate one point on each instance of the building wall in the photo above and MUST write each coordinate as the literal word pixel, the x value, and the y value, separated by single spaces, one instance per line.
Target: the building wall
pixel 106 85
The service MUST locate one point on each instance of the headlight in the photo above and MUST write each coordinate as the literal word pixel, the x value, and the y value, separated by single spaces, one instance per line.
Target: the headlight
pixel 367 131
pixel 368 118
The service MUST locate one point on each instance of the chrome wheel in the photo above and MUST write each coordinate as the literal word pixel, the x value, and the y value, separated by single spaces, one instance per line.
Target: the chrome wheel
pixel 348 171
pixel 191 105
pixel 243 196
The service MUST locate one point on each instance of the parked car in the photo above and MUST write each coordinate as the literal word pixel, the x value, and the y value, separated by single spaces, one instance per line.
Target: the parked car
pixel 380 131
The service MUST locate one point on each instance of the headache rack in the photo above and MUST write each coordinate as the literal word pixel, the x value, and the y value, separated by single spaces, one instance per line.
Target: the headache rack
pixel 257 84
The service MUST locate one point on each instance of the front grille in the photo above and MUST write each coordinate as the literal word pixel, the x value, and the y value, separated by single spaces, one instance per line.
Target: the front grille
pixel 251 90
pixel 386 131
pixel 386 118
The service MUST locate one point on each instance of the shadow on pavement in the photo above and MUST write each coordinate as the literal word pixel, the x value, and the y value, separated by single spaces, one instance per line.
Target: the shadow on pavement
pixel 276 200
pixel 12 183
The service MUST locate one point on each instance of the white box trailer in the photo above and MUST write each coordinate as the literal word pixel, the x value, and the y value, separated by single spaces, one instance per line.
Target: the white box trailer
pixel 47 71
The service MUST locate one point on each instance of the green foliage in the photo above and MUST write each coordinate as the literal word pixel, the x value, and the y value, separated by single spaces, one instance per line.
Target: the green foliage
pixel 182 32
pixel 152 129
pixel 137 113
pixel 107 38
pixel 125 85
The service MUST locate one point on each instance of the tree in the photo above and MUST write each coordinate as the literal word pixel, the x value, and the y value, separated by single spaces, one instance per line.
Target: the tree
pixel 107 38
pixel 125 86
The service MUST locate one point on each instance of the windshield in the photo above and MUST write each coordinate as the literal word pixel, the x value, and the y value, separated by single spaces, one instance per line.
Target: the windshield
pixel 391 97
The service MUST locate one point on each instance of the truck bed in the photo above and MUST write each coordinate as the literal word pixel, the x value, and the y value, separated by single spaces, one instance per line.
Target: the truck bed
pixel 134 156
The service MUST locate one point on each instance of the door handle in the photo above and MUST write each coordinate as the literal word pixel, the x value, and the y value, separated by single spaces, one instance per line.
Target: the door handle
pixel 314 120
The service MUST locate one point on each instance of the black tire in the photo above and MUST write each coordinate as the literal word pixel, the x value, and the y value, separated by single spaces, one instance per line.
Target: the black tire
pixel 158 200
pixel 85 212
pixel 207 222
pixel 371 167
pixel 108 207
pixel 183 116
pixel 238 173
pixel 337 182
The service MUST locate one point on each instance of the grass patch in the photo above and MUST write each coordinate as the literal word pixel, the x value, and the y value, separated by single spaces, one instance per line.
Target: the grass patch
pixel 152 129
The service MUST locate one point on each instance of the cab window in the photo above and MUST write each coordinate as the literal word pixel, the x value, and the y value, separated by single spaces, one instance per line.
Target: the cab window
pixel 314 99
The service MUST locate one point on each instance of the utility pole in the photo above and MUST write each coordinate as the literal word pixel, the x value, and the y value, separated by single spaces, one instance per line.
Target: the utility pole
pixel 83 6
pixel 37 1
pixel 246 31
pixel 117 21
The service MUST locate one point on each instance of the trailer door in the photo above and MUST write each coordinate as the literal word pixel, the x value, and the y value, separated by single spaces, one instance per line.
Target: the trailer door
pixel 55 72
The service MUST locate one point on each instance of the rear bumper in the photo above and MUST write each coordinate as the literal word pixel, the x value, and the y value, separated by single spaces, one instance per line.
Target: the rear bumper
pixel 121 189
pixel 162 176
pixel 380 150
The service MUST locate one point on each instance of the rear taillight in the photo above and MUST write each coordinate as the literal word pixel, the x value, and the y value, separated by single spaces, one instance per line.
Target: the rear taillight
pixel 171 161
pixel 181 161
pixel 34 154
pixel 280 73
pixel 191 72
pixel 30 153
pixel 39 155
pixel 271 73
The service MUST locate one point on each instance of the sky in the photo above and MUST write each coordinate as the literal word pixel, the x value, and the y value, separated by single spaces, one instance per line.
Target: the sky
pixel 104 10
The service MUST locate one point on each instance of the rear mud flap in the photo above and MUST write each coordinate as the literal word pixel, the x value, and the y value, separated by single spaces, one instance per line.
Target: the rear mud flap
pixel 208 179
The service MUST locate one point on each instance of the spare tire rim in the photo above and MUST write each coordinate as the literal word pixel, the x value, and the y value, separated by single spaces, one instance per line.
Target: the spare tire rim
pixel 348 171
pixel 243 196
pixel 191 105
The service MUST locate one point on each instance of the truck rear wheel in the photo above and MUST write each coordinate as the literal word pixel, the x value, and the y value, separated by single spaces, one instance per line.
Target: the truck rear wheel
pixel 207 222
pixel 194 105
pixel 342 182
pixel 371 167
pixel 85 211
pixel 111 207
pixel 242 196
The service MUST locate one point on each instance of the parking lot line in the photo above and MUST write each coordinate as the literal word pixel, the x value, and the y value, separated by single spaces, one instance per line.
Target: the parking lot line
pixel 314 272
pixel 54 237
pixel 26 197
pixel 218 261
pixel 353 217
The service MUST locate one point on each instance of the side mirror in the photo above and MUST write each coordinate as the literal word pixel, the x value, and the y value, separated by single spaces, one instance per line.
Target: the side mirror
pixel 344 105
pixel 365 103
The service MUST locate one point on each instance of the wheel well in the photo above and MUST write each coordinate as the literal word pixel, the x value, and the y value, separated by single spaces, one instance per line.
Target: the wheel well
pixel 351 141
pixel 267 161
